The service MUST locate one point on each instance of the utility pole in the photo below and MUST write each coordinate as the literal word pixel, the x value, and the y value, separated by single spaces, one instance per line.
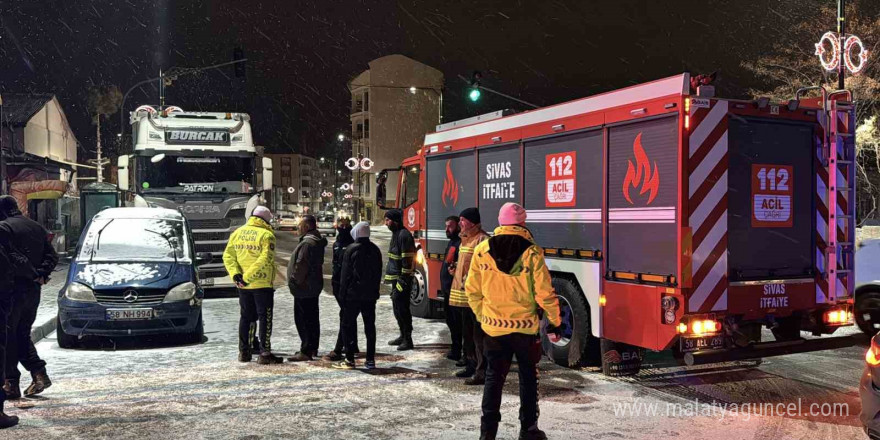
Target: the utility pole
pixel 841 29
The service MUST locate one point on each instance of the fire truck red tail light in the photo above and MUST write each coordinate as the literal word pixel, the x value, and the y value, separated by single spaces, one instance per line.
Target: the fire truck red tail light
pixel 842 316
pixel 700 327
pixel 872 357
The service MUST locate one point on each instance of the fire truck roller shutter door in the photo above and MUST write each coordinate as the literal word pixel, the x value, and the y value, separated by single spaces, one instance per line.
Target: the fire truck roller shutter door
pixel 642 185
pixel 563 190
pixel 451 187
pixel 500 181
pixel 771 186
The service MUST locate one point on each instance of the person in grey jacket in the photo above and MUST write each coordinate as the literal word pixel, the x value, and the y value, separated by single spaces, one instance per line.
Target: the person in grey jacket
pixel 305 277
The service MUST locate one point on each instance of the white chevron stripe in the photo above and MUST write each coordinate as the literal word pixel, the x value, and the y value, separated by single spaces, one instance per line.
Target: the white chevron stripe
pixel 701 132
pixel 822 190
pixel 820 295
pixel 705 288
pixel 820 260
pixel 708 244
pixel 721 304
pixel 709 203
pixel 708 164
pixel 821 227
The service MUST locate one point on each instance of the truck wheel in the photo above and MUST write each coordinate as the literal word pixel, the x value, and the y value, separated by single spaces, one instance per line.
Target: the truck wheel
pixel 619 359
pixel 789 329
pixel 419 303
pixel 577 346
pixel 64 340
pixel 867 313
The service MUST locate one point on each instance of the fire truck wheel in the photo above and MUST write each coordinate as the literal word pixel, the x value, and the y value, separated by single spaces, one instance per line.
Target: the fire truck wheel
pixel 577 346
pixel 789 328
pixel 419 304
pixel 868 312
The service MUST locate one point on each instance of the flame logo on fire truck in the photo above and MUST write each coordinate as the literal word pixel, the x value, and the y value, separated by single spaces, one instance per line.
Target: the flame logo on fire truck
pixel 640 173
pixel 450 187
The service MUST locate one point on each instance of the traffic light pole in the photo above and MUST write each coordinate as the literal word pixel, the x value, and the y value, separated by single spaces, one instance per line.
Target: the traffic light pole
pixel 503 95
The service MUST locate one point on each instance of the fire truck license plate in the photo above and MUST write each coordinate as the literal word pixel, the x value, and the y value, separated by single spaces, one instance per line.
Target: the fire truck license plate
pixel 704 343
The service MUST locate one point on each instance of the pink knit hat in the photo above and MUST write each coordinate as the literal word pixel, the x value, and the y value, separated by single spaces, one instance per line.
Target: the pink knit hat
pixel 512 214
pixel 263 213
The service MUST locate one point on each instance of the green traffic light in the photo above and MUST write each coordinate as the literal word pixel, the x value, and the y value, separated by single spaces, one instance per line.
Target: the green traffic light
pixel 475 94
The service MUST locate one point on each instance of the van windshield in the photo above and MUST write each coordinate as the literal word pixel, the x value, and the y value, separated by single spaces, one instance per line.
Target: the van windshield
pixel 129 239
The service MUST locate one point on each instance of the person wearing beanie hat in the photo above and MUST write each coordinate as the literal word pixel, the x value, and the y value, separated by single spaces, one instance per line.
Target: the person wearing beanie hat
pixel 472 234
pixel 512 214
pixel 343 239
pixel 305 277
pixel 507 284
pixel 249 258
pixel 399 274
pixel 359 291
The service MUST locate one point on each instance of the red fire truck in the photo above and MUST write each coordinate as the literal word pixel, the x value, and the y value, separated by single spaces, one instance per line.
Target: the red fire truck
pixel 670 219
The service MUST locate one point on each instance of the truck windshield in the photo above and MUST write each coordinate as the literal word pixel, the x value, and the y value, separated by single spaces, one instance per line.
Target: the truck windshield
pixel 189 174
pixel 129 239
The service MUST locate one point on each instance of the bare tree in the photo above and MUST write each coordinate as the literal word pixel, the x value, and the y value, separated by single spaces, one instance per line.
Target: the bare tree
pixel 792 64
pixel 102 101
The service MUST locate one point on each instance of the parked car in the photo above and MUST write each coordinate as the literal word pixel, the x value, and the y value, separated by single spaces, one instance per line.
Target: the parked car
pixel 326 224
pixel 134 273
pixel 286 221
pixel 869 390
pixel 867 304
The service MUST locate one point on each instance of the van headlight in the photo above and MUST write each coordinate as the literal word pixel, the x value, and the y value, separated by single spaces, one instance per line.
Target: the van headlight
pixel 181 292
pixel 80 292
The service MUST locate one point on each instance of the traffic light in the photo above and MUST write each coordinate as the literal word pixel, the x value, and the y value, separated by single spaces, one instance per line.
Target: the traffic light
pixel 238 54
pixel 474 93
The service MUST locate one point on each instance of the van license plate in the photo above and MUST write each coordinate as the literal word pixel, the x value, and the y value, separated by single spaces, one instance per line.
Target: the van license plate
pixel 702 343
pixel 129 314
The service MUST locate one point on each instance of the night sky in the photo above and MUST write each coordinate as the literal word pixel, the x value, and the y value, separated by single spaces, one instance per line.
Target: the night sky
pixel 302 53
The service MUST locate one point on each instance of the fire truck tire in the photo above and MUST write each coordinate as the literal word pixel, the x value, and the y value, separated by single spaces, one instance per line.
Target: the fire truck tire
pixel 619 359
pixel 867 313
pixel 419 304
pixel 789 329
pixel 577 346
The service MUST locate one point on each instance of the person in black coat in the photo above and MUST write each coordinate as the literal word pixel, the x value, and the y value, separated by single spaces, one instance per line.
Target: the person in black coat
pixel 7 273
pixel 37 259
pixel 343 239
pixel 359 288
pixel 305 277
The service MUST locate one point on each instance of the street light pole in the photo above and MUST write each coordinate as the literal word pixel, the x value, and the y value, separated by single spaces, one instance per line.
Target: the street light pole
pixel 841 28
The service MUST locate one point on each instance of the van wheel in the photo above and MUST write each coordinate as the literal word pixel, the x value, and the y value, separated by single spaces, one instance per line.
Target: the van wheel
pixel 577 346
pixel 64 340
pixel 867 313
pixel 196 335
pixel 419 303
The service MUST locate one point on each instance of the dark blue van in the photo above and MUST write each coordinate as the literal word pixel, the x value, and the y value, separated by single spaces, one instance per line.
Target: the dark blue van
pixel 134 274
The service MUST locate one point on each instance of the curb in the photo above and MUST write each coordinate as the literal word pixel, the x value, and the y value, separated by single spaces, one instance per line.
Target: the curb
pixel 38 332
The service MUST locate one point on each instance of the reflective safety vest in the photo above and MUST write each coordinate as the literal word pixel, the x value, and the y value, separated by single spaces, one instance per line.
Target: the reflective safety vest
pixel 251 254
pixel 469 240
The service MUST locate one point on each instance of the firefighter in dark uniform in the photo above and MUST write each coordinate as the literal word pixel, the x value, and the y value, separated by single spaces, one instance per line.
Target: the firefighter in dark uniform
pixel 399 274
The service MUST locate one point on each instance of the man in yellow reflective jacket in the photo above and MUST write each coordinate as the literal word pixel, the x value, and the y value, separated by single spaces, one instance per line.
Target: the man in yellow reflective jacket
pixel 508 282
pixel 250 260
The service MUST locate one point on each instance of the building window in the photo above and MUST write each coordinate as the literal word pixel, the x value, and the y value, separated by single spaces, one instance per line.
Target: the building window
pixel 359 131
pixel 366 128
pixel 367 101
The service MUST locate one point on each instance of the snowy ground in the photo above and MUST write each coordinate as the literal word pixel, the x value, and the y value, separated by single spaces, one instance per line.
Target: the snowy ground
pixel 157 390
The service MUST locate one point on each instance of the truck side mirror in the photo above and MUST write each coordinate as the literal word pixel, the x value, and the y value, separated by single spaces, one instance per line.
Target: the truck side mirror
pixel 122 172
pixel 381 178
pixel 267 174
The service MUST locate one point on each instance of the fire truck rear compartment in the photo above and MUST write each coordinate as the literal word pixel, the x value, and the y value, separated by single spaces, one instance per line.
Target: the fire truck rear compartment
pixel 767 159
